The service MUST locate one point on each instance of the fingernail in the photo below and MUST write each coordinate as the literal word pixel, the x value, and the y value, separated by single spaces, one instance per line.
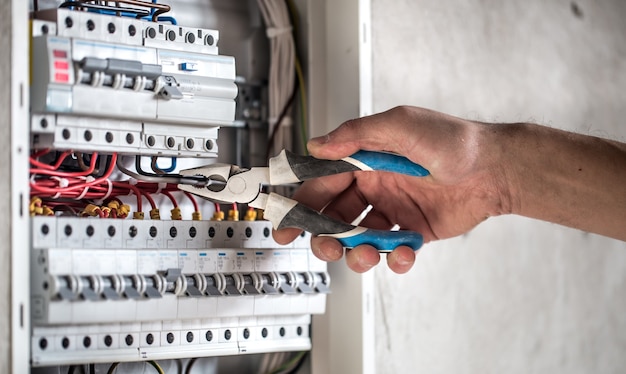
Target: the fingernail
pixel 320 140
pixel 331 253
pixel 403 261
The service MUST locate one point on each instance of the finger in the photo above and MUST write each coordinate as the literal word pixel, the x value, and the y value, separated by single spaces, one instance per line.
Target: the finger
pixel 370 133
pixel 347 206
pixel 376 219
pixel 326 248
pixel 362 258
pixel 317 193
pixel 401 259
pixel 285 236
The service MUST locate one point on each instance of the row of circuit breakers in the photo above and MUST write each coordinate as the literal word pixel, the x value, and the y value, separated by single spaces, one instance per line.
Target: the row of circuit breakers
pixel 110 290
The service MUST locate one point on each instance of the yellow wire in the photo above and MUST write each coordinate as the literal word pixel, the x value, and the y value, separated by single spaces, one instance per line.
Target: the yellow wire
pixel 158 368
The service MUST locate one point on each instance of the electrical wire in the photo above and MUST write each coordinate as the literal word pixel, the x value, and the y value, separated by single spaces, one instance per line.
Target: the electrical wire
pixel 88 171
pixel 281 74
pixel 190 365
pixel 194 202
pixel 41 165
pixel 156 366
pixel 153 10
pixel 113 367
pixel 155 167
pixel 152 363
pixel 289 366
pixel 303 106
pixel 170 197
pixel 166 178
pixel 282 115
pixel 80 185
pixel 300 77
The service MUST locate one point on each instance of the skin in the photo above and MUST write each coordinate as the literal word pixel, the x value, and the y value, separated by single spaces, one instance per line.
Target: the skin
pixel 478 171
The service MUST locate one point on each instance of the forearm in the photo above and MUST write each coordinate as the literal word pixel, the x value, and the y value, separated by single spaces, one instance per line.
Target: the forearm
pixel 561 177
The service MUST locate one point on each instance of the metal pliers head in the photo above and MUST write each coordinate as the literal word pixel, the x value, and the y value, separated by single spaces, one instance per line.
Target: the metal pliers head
pixel 228 183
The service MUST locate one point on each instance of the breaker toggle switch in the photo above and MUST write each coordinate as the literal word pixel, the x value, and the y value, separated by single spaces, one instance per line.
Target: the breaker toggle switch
pixel 88 288
pixel 269 283
pixel 172 275
pixel 131 287
pixel 287 283
pixel 110 286
pixel 251 284
pixel 305 282
pixel 194 284
pixel 153 286
pixel 118 74
pixel 232 285
pixel 213 285
pixel 65 287
pixel 169 90
pixel 322 282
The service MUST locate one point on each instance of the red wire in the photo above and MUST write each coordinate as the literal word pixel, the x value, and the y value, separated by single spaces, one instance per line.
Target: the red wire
pixel 40 153
pixel 82 185
pixel 54 172
pixel 171 197
pixel 40 164
pixel 135 190
pixel 193 201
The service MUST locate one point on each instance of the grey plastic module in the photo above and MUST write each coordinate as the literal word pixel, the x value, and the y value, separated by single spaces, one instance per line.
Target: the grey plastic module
pixel 127 67
pixel 91 64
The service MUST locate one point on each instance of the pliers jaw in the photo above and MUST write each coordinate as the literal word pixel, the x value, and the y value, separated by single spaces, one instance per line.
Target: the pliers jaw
pixel 228 183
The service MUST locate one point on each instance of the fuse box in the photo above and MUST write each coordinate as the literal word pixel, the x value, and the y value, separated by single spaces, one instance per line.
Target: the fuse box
pixel 108 283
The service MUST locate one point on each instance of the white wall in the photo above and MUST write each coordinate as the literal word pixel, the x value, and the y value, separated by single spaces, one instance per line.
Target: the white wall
pixel 514 295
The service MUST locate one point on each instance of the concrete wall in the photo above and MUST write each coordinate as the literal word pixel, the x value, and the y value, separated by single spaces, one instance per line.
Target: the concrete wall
pixel 514 295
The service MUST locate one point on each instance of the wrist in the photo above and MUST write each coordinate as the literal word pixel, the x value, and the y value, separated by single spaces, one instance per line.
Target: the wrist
pixel 500 146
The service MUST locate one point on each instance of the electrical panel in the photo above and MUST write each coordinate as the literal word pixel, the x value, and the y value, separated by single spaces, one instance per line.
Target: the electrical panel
pixel 109 283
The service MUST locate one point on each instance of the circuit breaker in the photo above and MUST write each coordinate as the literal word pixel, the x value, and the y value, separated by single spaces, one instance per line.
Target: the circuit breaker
pixel 109 283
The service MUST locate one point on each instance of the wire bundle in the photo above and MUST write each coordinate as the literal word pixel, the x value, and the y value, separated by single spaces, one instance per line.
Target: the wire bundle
pixel 148 10
pixel 282 66
pixel 84 193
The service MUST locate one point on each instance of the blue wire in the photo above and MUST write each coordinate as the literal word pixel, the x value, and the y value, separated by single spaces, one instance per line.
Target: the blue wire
pixel 167 19
pixel 170 19
pixel 171 168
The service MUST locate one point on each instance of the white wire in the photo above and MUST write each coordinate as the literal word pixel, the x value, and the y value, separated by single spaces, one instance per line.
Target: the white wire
pixel 282 67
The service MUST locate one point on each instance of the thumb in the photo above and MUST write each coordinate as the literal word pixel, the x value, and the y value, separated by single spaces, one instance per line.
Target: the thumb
pixel 379 132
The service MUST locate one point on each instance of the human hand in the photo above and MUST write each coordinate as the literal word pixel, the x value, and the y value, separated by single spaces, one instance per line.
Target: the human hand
pixel 465 185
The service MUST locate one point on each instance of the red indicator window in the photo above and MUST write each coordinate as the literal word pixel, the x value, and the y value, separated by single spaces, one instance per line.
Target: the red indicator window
pixel 61 77
pixel 59 53
pixel 61 65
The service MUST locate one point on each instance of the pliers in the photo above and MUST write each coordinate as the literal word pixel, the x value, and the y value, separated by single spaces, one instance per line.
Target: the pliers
pixel 232 184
